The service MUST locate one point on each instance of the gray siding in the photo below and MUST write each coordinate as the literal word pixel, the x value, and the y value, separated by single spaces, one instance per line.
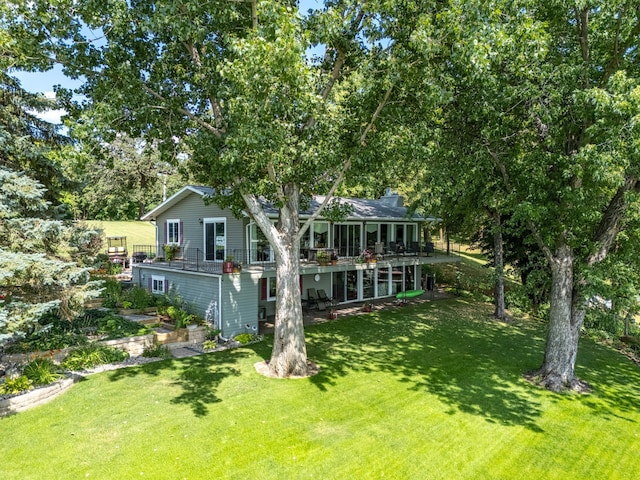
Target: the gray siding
pixel 198 290
pixel 189 211
pixel 240 294
pixel 239 301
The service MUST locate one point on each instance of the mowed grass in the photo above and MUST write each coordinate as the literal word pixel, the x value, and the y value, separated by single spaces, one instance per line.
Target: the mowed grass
pixel 137 233
pixel 429 391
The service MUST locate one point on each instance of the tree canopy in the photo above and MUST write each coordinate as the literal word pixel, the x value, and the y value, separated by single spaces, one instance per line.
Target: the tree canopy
pixel 521 115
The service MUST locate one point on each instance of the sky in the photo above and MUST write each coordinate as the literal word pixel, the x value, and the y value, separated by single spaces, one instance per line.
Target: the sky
pixel 43 82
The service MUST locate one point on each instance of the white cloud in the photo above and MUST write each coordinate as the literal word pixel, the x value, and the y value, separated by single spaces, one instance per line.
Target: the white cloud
pixel 52 116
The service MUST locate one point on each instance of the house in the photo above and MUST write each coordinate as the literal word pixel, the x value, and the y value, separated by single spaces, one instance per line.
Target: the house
pixel 380 250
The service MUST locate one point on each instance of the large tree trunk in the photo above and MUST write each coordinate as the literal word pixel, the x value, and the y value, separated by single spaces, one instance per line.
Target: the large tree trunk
pixel 289 353
pixel 565 320
pixel 498 253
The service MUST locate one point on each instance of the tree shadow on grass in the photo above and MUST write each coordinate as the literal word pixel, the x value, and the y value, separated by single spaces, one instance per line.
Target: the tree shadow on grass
pixel 471 366
pixel 198 377
pixel 615 381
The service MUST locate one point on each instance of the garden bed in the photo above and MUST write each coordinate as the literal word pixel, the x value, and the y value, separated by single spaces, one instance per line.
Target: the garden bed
pixel 11 404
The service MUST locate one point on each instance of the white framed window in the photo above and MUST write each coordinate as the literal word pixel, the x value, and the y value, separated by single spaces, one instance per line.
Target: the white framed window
pixel 271 289
pixel 158 284
pixel 259 248
pixel 173 232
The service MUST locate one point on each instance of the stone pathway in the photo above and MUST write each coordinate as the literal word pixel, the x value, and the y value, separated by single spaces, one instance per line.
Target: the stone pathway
pixel 184 352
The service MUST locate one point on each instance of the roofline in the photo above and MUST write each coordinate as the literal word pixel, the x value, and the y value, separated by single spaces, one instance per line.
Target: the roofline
pixel 169 201
pixel 151 215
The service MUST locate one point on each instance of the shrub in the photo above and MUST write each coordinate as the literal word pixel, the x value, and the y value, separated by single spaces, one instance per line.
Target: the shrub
pixel 157 351
pixel 210 345
pixel 16 385
pixel 45 340
pixel 41 371
pixel 115 326
pixel 244 338
pixel 139 298
pixel 93 355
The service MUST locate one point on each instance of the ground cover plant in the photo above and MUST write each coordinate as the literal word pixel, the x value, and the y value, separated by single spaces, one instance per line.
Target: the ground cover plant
pixel 56 333
pixel 431 390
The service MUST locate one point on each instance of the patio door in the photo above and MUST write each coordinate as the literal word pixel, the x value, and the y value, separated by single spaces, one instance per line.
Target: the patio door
pixel 215 239
pixel 347 240
pixel 345 286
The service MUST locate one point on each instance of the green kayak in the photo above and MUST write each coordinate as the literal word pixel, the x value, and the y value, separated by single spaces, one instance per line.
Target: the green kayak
pixel 409 294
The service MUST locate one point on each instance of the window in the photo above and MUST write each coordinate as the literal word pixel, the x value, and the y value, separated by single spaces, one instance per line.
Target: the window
pixel 158 284
pixel 173 232
pixel 259 247
pixel 271 289
pixel 320 234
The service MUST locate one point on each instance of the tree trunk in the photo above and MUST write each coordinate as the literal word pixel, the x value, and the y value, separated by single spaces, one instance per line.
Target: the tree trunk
pixel 498 251
pixel 289 353
pixel 565 320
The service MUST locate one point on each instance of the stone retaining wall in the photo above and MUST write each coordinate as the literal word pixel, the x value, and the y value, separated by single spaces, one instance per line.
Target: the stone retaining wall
pixel 35 397
pixel 133 345
pixel 40 395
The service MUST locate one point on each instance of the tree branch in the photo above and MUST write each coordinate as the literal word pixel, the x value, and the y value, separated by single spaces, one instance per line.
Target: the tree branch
pixel 375 115
pixel 532 226
pixel 611 220
pixel 216 131
pixel 619 48
pixel 343 171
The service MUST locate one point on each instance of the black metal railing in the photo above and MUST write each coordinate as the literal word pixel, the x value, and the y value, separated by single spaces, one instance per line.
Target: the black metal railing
pixel 194 259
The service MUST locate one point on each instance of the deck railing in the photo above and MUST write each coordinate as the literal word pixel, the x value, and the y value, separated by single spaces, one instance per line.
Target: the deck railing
pixel 194 259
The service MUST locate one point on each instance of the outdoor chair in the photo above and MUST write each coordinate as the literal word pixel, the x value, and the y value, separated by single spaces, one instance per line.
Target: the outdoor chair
pixel 312 299
pixel 429 248
pixel 324 299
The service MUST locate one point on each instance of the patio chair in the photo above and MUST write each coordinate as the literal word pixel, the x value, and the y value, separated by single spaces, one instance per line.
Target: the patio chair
pixel 324 299
pixel 312 299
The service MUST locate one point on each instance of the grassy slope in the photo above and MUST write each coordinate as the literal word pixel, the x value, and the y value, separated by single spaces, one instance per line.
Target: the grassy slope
pixel 432 390
pixel 137 233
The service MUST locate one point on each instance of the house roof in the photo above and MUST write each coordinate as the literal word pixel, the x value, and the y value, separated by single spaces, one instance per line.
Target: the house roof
pixel 386 208
pixel 176 198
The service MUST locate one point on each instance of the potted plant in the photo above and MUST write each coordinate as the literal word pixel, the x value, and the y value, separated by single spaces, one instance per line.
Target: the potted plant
pixel 170 251
pixel 334 259
pixel 323 258
pixel 237 267
pixel 368 256
pixel 227 265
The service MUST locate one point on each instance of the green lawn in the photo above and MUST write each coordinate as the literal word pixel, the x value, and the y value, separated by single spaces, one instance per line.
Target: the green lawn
pixel 137 233
pixel 428 391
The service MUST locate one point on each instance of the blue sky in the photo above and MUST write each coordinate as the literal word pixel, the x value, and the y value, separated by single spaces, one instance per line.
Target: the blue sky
pixel 43 82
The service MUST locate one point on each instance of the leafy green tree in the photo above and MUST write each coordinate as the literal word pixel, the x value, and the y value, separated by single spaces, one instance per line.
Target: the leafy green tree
pixel 230 84
pixel 548 95
pixel 118 180
pixel 26 141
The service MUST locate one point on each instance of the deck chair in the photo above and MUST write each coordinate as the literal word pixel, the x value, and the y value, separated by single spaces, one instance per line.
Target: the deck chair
pixel 312 298
pixel 324 299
